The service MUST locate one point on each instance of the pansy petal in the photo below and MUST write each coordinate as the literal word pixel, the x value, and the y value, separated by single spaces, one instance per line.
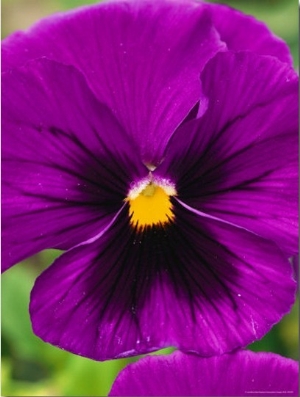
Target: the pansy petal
pixel 244 373
pixel 244 32
pixel 143 60
pixel 198 284
pixel 63 176
pixel 239 161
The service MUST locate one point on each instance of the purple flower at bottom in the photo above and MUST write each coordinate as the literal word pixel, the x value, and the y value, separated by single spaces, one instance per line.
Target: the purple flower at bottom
pixel 140 139
pixel 238 374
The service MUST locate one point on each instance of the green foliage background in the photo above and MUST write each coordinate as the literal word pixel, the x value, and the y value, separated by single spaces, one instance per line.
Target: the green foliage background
pixel 31 367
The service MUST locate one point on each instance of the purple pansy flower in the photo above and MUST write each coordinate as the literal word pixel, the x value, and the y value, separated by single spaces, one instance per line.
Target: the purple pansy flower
pixel 141 139
pixel 244 373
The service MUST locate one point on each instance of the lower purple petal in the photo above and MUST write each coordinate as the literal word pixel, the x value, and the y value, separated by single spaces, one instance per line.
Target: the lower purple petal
pixel 199 284
pixel 239 374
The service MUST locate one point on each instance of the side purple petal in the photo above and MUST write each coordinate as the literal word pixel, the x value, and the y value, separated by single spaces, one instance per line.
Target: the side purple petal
pixel 244 373
pixel 201 285
pixel 141 58
pixel 239 162
pixel 244 32
pixel 63 176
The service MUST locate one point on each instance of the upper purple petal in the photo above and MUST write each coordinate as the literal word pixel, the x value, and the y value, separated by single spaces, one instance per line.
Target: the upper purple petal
pixel 244 373
pixel 199 284
pixel 244 32
pixel 63 175
pixel 239 161
pixel 141 58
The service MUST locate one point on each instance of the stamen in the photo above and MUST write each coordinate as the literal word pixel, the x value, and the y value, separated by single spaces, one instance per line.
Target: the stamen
pixel 149 203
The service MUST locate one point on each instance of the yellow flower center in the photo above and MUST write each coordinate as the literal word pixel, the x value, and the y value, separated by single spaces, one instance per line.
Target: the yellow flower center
pixel 150 204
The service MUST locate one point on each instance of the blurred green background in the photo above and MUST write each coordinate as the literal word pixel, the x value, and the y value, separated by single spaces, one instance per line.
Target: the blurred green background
pixel 31 367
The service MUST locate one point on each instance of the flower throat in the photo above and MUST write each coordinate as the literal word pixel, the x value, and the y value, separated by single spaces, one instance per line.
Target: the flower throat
pixel 149 204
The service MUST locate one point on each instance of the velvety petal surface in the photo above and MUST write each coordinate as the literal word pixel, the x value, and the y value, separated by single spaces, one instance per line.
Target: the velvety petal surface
pixel 244 32
pixel 198 284
pixel 239 162
pixel 244 373
pixel 141 58
pixel 63 175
